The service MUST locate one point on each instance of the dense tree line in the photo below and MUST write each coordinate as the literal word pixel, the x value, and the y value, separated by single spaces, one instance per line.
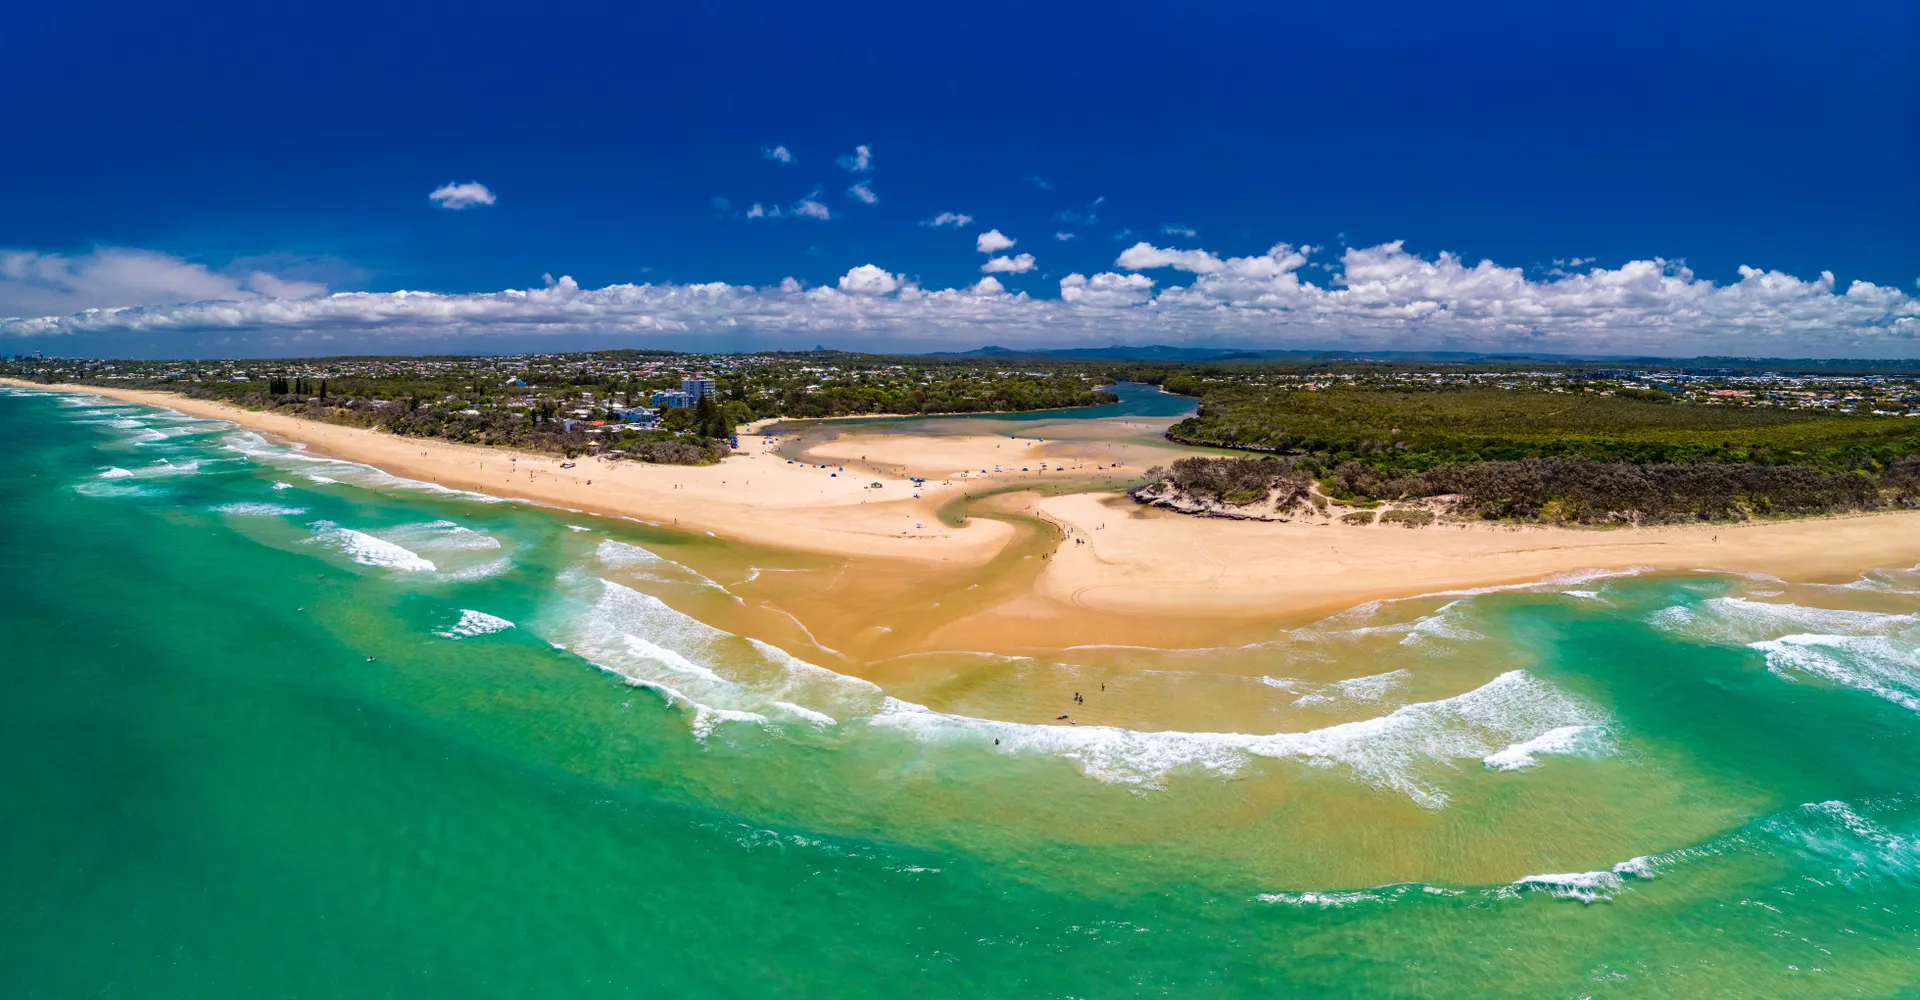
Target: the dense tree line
pixel 1558 490
pixel 1411 429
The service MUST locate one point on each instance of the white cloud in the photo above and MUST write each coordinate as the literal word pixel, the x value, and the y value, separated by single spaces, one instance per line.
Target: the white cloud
pixel 777 153
pixel 1176 229
pixel 1020 264
pixel 1143 256
pixel 811 209
pixel 759 211
pixel 33 284
pixel 1063 237
pixel 859 162
pixel 992 241
pixel 1106 289
pixel 458 196
pixel 280 288
pixel 955 219
pixel 988 285
pixel 863 191
pixel 869 280
pixel 1376 298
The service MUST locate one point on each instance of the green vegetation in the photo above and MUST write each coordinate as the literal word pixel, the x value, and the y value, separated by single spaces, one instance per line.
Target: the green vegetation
pixel 1412 429
pixel 585 403
pixel 1580 455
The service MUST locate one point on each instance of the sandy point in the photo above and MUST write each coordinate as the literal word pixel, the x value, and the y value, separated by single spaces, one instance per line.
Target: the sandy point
pixel 1123 558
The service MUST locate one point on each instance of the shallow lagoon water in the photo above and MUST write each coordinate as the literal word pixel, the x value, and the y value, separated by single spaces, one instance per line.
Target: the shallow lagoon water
pixel 562 773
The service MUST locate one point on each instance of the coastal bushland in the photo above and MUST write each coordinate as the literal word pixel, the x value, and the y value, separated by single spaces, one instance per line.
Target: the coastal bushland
pixel 1588 458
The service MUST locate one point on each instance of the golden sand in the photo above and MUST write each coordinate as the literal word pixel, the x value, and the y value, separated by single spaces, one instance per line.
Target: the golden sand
pixel 873 572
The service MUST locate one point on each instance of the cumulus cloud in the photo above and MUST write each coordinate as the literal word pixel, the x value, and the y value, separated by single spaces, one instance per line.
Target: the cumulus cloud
pixel 1144 256
pixel 992 241
pixel 778 154
pixel 1176 229
pixel 1019 264
pixel 459 196
pixel 859 161
pixel 864 192
pixel 1380 297
pixel 1063 237
pixel 759 211
pixel 954 219
pixel 869 280
pixel 113 277
pixel 811 209
pixel 1106 289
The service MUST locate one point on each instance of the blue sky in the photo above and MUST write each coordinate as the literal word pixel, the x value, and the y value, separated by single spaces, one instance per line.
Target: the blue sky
pixel 283 153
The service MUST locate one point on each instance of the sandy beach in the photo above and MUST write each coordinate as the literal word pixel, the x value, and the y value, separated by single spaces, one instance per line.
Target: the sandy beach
pixel 1119 558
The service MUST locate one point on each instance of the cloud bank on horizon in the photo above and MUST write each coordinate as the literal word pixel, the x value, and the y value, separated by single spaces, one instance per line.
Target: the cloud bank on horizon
pixel 1374 298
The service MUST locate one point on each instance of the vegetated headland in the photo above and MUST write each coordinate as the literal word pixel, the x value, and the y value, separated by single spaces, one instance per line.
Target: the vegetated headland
pixel 1578 447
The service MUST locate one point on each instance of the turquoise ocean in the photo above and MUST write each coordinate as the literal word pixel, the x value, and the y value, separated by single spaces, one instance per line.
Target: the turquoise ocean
pixel 279 726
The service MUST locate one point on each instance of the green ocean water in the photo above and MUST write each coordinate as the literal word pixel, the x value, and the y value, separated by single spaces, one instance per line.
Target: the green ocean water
pixel 274 726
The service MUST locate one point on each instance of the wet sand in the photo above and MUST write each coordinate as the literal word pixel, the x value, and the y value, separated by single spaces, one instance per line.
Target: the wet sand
pixel 1031 560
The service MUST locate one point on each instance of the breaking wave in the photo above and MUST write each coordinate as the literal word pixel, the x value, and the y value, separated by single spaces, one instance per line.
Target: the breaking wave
pixel 1564 741
pixel 1738 621
pixel 474 623
pixel 256 509
pixel 1879 665
pixel 368 550
pixel 1402 751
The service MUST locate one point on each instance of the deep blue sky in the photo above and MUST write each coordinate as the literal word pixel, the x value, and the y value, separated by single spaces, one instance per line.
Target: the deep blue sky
pixel 303 137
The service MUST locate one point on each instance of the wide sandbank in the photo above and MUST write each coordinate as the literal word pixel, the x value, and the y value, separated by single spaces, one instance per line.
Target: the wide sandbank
pixel 1117 562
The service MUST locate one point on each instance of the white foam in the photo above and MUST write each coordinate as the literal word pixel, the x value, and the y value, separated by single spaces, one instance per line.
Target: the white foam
pixel 282 486
pixel 115 490
pixel 322 480
pixel 706 717
pixel 1879 665
pixel 1591 595
pixel 1564 741
pixel 1398 751
pixel 1588 887
pixel 474 623
pixel 1736 620
pixel 817 718
pixel 442 536
pixel 1371 688
pixel 115 472
pixel 635 562
pixel 255 509
pixel 640 638
pixel 1854 847
pixel 369 550
pixel 1338 899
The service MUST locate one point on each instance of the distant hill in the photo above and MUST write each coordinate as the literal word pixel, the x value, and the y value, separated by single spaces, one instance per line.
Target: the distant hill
pixel 1167 353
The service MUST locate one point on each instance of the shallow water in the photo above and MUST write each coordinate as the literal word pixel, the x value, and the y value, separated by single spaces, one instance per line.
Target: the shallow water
pixel 589 757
